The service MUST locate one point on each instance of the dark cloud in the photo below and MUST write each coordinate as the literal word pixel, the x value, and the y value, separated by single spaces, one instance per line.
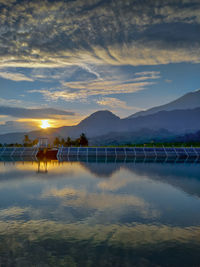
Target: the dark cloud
pixel 16 126
pixel 57 33
pixel 33 113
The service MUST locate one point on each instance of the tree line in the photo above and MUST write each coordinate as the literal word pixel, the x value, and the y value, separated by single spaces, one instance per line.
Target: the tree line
pixel 81 141
pixel 27 142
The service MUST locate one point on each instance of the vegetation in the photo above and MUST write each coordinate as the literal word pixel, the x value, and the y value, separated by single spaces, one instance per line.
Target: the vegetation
pixel 81 141
pixel 187 140
pixel 166 144
pixel 27 142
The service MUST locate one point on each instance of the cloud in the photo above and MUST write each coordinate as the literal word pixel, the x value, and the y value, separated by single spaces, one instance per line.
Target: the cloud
pixel 106 85
pixel 62 33
pixel 83 90
pixel 33 113
pixel 150 74
pixel 17 126
pixel 168 81
pixel 15 76
pixel 113 103
pixel 13 102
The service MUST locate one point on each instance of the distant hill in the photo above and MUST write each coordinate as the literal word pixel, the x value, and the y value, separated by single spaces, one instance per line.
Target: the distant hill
pixel 187 101
pixel 176 121
pixel 132 137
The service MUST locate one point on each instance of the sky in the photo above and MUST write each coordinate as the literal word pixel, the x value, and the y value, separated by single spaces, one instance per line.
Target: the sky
pixel 63 60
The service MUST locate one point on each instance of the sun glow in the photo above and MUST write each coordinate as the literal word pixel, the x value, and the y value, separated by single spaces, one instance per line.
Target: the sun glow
pixel 45 124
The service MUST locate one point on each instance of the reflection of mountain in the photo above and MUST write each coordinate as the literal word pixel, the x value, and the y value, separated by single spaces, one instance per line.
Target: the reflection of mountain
pixel 102 169
pixel 183 176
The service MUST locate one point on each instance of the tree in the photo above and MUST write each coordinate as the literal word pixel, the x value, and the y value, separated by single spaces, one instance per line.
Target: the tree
pixel 56 141
pixel 83 141
pixel 68 142
pixel 62 142
pixel 27 141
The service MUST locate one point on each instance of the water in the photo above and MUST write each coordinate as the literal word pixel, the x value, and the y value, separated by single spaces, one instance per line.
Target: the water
pixel 99 214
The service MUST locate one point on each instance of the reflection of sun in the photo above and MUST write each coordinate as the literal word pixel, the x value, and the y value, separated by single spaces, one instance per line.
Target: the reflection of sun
pixel 44 124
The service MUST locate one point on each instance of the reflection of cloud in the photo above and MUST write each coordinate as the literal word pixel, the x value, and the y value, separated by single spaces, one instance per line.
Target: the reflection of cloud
pixel 129 236
pixel 118 181
pixel 114 183
pixel 102 201
pixel 12 212
pixel 61 193
pixel 7 2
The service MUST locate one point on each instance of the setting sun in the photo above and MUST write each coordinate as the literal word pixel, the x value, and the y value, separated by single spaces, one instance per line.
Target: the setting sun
pixel 45 124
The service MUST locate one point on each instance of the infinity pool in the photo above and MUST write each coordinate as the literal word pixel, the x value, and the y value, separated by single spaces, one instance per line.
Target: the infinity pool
pixel 99 214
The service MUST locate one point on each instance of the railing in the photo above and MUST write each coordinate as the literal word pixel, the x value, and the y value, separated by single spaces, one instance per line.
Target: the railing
pixel 147 152
pixel 118 152
pixel 18 151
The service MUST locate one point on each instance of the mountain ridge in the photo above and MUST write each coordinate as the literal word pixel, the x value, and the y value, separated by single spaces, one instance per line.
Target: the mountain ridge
pixel 175 121
pixel 190 100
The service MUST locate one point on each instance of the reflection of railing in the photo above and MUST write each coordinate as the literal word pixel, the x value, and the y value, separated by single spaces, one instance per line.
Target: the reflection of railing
pixel 149 152
pixel 42 165
pixel 130 159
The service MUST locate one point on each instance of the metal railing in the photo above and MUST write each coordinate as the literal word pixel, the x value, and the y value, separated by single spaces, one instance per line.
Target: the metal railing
pixel 151 152
pixel 119 152
pixel 18 151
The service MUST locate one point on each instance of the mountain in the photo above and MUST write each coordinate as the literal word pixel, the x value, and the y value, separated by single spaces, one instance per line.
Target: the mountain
pixel 104 125
pixel 132 137
pixel 187 101
pixel 105 122
pixel 176 121
pixel 98 123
